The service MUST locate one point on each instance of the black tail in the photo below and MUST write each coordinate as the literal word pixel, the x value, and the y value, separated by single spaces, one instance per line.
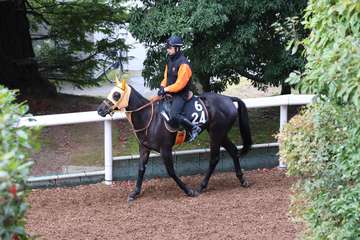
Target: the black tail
pixel 243 125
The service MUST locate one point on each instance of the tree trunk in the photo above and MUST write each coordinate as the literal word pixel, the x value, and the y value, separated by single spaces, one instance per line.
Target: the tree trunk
pixel 198 59
pixel 18 67
pixel 205 82
pixel 285 89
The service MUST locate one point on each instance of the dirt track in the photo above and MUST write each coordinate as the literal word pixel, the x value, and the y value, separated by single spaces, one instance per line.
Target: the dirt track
pixel 224 211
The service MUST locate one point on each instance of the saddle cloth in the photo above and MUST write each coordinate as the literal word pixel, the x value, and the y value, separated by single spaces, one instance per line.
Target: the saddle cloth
pixel 194 110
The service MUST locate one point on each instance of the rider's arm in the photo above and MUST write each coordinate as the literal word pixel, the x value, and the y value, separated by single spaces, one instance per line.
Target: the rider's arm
pixel 184 75
pixel 164 81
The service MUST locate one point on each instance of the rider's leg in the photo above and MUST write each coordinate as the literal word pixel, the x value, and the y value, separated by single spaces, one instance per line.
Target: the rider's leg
pixel 192 129
pixel 175 114
pixel 177 107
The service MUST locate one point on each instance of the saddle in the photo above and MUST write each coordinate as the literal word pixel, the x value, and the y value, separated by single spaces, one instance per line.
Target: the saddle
pixel 194 110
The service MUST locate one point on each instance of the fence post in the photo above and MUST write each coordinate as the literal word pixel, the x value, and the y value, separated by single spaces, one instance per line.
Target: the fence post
pixel 108 151
pixel 283 121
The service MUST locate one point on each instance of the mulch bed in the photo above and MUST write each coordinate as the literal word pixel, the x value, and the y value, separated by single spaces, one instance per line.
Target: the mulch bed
pixel 224 211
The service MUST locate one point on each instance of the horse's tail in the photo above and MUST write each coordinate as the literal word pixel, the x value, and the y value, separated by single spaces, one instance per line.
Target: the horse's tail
pixel 243 125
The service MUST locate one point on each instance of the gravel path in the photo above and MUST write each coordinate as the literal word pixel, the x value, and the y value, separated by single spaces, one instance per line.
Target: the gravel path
pixel 224 211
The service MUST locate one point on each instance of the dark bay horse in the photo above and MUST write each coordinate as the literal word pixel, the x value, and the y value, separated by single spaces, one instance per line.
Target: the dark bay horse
pixel 152 134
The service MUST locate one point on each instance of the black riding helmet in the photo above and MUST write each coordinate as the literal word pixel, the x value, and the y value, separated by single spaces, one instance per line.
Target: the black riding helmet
pixel 174 41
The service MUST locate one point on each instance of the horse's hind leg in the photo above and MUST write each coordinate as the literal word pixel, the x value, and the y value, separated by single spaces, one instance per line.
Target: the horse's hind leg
pixel 144 158
pixel 214 159
pixel 232 150
pixel 166 155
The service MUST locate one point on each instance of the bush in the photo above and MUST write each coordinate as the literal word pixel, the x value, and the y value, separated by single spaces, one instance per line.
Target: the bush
pixel 322 147
pixel 16 143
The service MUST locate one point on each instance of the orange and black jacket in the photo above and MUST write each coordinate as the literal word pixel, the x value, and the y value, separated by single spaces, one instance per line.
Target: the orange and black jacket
pixel 177 75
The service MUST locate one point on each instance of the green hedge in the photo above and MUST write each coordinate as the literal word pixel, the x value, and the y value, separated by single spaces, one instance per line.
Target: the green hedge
pixel 322 147
pixel 16 144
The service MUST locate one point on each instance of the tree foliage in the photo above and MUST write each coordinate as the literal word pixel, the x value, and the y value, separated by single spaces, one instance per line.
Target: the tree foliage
pixel 63 36
pixel 224 39
pixel 332 51
pixel 15 146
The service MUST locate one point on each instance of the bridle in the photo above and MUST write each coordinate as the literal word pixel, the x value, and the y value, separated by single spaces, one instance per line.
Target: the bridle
pixel 128 114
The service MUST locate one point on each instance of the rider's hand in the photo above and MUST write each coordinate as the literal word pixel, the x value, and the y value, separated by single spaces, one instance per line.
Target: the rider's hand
pixel 161 91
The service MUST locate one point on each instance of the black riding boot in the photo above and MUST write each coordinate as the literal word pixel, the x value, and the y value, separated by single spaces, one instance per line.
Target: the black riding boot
pixel 192 129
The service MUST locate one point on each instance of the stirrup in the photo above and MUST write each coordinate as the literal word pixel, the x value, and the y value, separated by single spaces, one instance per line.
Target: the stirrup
pixel 194 133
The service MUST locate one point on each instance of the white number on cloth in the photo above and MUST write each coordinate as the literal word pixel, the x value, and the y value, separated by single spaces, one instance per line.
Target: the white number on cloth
pixel 202 117
pixel 195 117
pixel 198 106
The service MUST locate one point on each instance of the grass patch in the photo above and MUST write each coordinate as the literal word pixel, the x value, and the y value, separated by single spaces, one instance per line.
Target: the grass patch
pixel 124 141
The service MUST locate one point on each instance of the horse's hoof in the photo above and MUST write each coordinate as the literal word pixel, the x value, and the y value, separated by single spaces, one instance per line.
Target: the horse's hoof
pixel 132 196
pixel 193 193
pixel 244 183
pixel 201 189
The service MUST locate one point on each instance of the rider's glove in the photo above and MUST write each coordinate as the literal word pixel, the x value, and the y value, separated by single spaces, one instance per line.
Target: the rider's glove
pixel 161 91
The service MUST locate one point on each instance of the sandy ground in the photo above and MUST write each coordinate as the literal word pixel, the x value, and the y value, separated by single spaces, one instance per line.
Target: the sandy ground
pixel 224 211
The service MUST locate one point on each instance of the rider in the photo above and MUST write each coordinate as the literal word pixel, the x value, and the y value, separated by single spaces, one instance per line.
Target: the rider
pixel 176 82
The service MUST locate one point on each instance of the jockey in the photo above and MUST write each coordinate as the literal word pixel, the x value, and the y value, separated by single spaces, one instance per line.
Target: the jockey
pixel 176 82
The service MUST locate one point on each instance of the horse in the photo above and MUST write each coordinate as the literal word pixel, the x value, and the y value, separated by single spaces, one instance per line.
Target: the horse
pixel 149 127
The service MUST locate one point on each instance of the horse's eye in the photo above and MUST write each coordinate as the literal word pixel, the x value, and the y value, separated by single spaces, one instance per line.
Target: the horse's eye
pixel 116 96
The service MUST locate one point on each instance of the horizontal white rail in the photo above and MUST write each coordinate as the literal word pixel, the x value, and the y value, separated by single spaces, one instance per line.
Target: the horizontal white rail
pixel 283 100
pixel 67 118
pixel 65 176
pixel 84 117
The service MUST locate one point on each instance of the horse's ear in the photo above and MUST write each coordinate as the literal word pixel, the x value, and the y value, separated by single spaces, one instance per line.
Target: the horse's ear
pixel 123 84
pixel 117 82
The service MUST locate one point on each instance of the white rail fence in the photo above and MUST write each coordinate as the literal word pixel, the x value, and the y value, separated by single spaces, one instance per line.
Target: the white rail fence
pixel 83 117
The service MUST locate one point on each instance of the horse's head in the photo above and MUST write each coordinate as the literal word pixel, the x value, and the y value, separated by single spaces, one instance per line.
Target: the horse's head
pixel 117 99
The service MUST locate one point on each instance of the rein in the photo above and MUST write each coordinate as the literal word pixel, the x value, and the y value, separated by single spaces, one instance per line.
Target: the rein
pixel 128 115
pixel 143 106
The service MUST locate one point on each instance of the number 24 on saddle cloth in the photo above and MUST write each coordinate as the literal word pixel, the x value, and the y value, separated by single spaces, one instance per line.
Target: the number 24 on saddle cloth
pixel 194 110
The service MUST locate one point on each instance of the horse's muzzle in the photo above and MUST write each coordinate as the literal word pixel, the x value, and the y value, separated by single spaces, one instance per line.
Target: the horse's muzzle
pixel 103 109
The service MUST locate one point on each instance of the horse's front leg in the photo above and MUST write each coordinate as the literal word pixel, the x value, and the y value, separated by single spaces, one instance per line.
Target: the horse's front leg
pixel 166 154
pixel 144 158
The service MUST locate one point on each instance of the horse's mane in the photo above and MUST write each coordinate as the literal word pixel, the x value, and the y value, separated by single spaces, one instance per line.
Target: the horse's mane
pixel 138 96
